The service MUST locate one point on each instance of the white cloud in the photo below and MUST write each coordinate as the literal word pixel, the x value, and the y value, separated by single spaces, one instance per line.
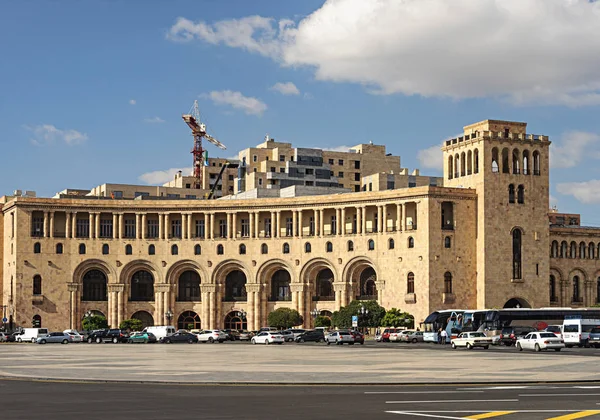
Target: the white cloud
pixel 250 105
pixel 154 120
pixel 572 148
pixel 431 158
pixel 49 134
pixel 335 148
pixel 522 51
pixel 132 102
pixel 587 192
pixel 161 177
pixel 287 88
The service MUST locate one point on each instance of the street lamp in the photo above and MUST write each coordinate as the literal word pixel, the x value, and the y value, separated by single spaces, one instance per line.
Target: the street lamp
pixel 169 316
pixel 241 314
pixel 362 313
pixel 315 313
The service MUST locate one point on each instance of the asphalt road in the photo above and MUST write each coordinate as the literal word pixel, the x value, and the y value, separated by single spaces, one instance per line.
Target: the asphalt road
pixel 63 400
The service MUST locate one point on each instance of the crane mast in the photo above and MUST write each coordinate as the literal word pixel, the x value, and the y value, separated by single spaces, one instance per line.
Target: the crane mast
pixel 192 119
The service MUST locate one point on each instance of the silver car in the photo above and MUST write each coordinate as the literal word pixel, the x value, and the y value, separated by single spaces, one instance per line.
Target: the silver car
pixel 55 337
pixel 339 338
pixel 412 337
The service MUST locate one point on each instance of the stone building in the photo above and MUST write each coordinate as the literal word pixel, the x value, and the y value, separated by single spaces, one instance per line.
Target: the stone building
pixel 483 239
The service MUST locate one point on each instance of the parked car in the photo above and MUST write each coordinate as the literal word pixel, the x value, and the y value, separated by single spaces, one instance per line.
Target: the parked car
pixel 471 340
pixel 358 337
pixel 180 337
pixel 267 337
pixel 298 331
pixel 160 331
pixel 55 337
pixel 3 337
pixel 396 336
pixel 385 336
pixel 287 335
pixel 412 337
pixel 311 335
pixel 142 337
pixel 273 329
pixel 31 334
pixel 113 335
pixel 232 335
pixel 339 338
pixel 246 335
pixel 539 341
pixel 210 336
pixel 510 335
pixel 555 329
pixel 75 336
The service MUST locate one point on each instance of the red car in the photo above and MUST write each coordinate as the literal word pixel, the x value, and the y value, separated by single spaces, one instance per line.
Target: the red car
pixel 358 337
pixel 385 337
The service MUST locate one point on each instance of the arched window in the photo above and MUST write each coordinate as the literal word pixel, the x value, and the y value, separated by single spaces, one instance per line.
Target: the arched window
pixel 329 247
pixel 554 249
pixel 591 250
pixel 307 248
pixel 94 286
pixel 105 249
pixel 286 248
pixel 447 282
pixel 350 246
pixel 410 283
pixel 526 169
pixel 582 249
pixel 264 249
pixel 463 164
pixel 553 289
pixel 411 242
pixel 128 249
pixel 495 164
pixel 242 249
pixel 235 286
pixel 563 249
pixel 516 247
pixel 280 286
pixel 37 321
pixel 151 250
pixel 469 162
pixel 142 286
pixel 447 242
pixel 476 161
pixel 220 250
pixel 197 249
pixel 511 193
pixel 368 284
pixel 505 161
pixel 536 163
pixel 371 245
pixel 576 290
pixel 516 161
pixel 573 250
pixel 188 287
pixel 450 167
pixel 59 248
pixel 521 194
pixel 37 284
pixel 391 243
pixel 174 249
pixel 456 165
pixel 37 248
pixel 324 284
pixel 81 249
pixel 189 320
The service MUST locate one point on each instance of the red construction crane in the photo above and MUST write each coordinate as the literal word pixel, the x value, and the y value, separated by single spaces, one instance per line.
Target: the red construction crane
pixel 198 132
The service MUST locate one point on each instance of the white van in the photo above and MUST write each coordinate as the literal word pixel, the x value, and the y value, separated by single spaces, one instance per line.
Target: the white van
pixel 31 334
pixel 576 332
pixel 160 331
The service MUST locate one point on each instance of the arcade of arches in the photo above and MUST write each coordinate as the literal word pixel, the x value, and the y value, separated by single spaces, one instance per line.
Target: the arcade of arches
pixel 228 300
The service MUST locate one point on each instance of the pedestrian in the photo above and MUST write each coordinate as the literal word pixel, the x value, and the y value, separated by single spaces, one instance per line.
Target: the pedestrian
pixel 444 336
pixel 439 337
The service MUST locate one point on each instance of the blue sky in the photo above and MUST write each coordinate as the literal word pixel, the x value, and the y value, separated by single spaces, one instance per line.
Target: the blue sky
pixel 93 92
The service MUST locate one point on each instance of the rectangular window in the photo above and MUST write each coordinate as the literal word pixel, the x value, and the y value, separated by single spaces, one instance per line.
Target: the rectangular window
pixel 200 232
pixel 333 225
pixel 340 162
pixel 282 170
pixel 254 158
pixel 173 195
pixel 259 181
pixel 37 226
pixel 117 194
pixel 375 222
pixel 130 228
pixel 255 170
pixel 268 227
pixel 176 228
pixel 141 194
pixel 82 227
pixel 310 171
pixel 245 228
pixel 310 183
pixel 331 161
pixel 330 173
pixel 190 196
pixel 152 228
pixel 357 176
pixel 391 185
pixel 282 158
pixel 230 177
pixel 340 174
pixel 213 176
pixel 223 228
pixel 357 188
pixel 311 226
pixel 357 164
pixel 412 184
pixel 288 226
pixel 106 228
pixel 188 185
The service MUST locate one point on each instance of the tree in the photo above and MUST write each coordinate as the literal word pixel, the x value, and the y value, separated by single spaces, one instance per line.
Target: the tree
pixel 322 321
pixel 396 318
pixel 131 325
pixel 94 322
pixel 284 318
pixel 343 317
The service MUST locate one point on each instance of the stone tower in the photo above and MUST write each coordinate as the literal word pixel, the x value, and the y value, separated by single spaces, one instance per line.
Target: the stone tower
pixel 509 169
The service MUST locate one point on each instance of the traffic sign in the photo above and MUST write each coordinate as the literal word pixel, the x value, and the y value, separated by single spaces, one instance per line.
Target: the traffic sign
pixel 4 320
pixel 355 320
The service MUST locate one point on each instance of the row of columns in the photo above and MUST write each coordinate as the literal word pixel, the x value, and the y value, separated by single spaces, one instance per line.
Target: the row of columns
pixel 586 290
pixel 187 228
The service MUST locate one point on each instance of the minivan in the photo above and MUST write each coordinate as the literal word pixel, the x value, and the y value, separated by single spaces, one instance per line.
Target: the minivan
pixel 160 331
pixel 576 332
pixel 31 334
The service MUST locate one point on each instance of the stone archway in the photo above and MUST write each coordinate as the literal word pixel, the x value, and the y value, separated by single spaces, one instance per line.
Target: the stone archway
pixel 235 320
pixel 189 320
pixel 144 316
pixel 516 302
pixel 360 275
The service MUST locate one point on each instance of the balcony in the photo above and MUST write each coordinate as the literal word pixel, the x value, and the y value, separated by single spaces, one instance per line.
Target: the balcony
pixel 448 298
pixel 323 298
pixel 410 298
pixel 37 299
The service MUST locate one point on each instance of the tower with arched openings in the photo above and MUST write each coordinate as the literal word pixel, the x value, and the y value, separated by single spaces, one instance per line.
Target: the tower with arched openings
pixel 509 169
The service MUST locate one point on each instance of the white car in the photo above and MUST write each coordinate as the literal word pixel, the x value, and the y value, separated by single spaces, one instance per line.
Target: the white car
pixel 339 338
pixel 398 335
pixel 75 336
pixel 267 337
pixel 211 336
pixel 539 341
pixel 470 340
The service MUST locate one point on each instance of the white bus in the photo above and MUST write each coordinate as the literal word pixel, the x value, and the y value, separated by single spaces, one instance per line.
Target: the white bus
pixel 576 330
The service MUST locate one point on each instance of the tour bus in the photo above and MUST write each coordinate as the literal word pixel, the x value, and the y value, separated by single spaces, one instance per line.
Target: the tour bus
pixel 576 330
pixel 454 321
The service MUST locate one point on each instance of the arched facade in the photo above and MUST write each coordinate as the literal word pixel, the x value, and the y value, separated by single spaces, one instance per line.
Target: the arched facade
pixel 144 316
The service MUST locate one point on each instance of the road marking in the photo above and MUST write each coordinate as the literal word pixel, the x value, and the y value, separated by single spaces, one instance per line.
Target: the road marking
pixel 556 395
pixel 576 415
pixel 424 392
pixel 412 414
pixel 449 401
pixel 490 414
